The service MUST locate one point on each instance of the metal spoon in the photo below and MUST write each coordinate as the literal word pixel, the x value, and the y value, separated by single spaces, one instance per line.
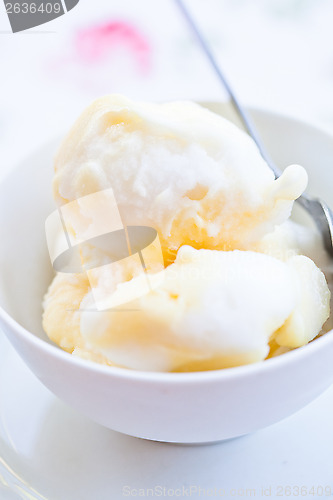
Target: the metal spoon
pixel 318 209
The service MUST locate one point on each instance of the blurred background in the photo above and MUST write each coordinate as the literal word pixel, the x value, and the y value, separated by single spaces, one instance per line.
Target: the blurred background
pixel 278 55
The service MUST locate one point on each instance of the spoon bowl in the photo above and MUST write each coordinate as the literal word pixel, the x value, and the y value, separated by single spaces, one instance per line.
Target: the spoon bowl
pixel 173 407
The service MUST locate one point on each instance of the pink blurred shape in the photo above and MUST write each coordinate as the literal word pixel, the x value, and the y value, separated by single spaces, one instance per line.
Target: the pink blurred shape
pixel 94 44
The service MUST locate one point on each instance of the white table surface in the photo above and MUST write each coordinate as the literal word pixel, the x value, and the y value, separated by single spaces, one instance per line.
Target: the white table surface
pixel 279 56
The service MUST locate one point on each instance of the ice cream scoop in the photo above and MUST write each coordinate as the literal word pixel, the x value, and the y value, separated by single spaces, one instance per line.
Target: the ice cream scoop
pixel 190 174
pixel 211 310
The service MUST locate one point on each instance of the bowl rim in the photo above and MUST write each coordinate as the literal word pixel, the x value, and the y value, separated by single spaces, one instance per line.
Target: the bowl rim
pixel 176 377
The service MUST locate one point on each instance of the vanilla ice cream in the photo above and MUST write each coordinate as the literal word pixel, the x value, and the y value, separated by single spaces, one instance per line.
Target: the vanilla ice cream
pixel 235 285
pixel 192 175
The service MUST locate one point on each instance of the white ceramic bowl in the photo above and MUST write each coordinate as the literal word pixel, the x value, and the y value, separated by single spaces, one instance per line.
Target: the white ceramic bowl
pixel 187 407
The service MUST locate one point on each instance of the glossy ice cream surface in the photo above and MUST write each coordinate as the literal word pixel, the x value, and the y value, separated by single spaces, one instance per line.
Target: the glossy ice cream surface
pixel 235 285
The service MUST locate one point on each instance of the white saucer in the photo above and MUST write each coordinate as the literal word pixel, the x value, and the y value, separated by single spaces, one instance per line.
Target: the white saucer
pixel 48 451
